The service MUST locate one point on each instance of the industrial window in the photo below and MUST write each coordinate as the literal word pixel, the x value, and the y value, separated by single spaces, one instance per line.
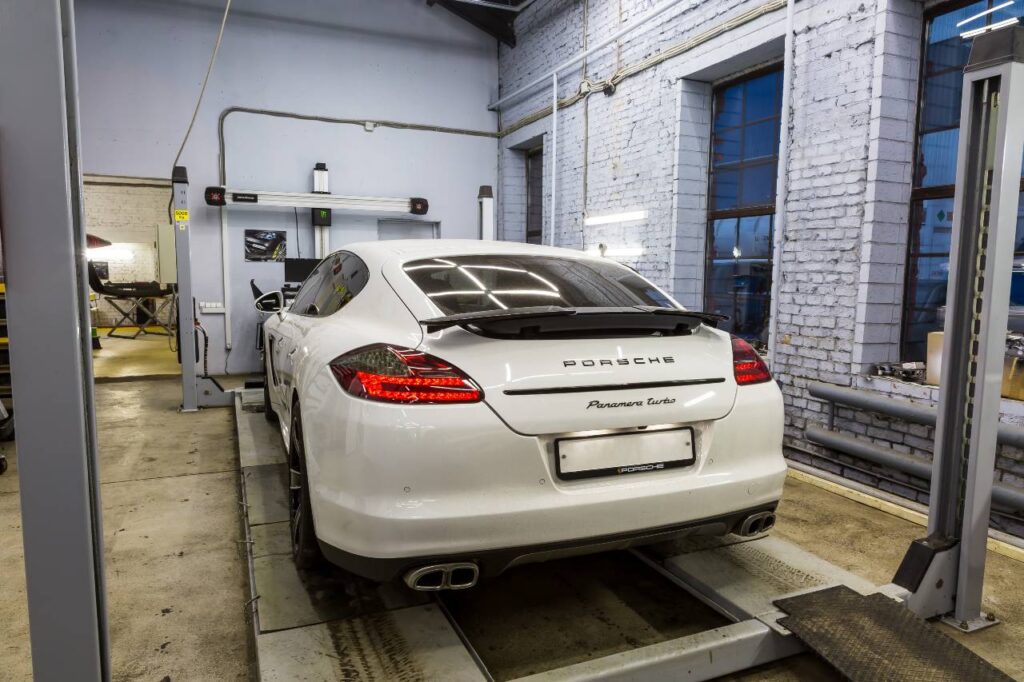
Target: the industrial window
pixel 741 202
pixel 535 196
pixel 938 133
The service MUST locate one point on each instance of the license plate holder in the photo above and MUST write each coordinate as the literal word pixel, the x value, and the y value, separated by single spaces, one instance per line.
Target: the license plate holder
pixel 609 455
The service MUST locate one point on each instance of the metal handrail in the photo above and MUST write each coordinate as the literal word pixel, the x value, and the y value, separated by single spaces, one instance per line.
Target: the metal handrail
pixel 1002 495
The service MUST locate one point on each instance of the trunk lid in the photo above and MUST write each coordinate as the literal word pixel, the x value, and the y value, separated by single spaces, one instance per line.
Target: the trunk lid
pixel 546 386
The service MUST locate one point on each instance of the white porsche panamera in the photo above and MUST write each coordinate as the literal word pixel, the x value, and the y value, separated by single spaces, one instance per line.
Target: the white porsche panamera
pixel 453 408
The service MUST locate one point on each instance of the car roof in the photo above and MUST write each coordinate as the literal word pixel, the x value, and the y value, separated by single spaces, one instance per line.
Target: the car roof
pixel 410 249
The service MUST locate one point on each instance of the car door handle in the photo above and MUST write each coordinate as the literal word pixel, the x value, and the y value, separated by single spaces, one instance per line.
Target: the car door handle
pixel 292 351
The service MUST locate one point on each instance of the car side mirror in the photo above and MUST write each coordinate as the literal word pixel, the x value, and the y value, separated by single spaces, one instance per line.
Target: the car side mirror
pixel 270 302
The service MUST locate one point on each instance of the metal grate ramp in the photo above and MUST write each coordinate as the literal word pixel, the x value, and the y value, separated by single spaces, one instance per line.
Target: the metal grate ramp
pixel 874 638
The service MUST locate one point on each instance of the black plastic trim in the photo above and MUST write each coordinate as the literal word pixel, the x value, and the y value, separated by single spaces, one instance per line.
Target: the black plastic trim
pixel 614 387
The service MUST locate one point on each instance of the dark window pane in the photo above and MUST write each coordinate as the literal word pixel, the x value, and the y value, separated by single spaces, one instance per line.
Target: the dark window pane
pixel 758 185
pixel 929 276
pixel 942 101
pixel 535 196
pixel 937 158
pixel 1015 10
pixel 935 225
pixel 723 278
pixel 944 26
pixel 725 146
pixel 724 189
pixel 761 140
pixel 947 55
pixel 762 97
pixel 724 238
pixel 729 107
pixel 755 237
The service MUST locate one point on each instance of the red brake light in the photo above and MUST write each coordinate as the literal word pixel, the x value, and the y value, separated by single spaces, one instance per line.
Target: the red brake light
pixel 747 364
pixel 393 374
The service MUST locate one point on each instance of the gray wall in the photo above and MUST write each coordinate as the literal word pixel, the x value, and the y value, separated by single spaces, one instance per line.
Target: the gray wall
pixel 141 63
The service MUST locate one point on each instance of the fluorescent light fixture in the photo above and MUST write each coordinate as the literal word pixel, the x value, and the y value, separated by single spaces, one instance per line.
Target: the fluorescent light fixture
pixel 979 15
pixel 112 253
pixel 617 252
pixel 986 29
pixel 625 217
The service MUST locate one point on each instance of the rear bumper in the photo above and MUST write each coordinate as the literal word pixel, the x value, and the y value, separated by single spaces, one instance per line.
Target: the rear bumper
pixel 494 562
pixel 404 483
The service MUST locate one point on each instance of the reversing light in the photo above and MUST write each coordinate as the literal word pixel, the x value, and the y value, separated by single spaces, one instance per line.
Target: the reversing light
pixel 393 374
pixel 748 366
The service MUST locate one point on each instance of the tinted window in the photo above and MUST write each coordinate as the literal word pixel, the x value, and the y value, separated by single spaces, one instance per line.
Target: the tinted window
pixel 345 276
pixel 334 283
pixel 465 284
pixel 308 291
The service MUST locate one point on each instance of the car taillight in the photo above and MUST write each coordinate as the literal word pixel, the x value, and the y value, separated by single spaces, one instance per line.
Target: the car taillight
pixel 393 374
pixel 747 364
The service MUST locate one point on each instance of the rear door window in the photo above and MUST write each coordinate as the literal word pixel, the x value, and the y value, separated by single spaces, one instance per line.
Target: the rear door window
pixel 466 284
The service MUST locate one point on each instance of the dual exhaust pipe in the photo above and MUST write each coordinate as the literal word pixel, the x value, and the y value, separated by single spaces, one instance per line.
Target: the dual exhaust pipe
pixel 758 523
pixel 436 577
pixel 463 575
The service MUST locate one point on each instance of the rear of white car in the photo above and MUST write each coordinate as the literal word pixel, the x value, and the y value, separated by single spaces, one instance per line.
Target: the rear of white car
pixel 578 409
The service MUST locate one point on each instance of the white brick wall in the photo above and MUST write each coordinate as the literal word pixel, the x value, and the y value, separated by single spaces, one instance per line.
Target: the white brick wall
pixel 854 103
pixel 126 214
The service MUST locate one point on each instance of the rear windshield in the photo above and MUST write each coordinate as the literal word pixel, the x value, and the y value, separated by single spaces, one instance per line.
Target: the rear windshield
pixel 468 284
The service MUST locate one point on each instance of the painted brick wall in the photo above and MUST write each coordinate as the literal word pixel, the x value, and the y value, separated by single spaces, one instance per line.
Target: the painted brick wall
pixel 854 99
pixel 126 215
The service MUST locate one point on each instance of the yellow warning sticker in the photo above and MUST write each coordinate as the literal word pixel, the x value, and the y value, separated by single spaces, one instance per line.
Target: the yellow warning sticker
pixel 180 215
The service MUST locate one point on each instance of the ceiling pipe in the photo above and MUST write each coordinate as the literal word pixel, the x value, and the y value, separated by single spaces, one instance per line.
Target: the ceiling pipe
pixel 532 85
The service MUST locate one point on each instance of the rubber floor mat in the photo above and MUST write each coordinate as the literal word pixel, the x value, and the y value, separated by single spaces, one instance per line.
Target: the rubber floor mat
pixel 876 639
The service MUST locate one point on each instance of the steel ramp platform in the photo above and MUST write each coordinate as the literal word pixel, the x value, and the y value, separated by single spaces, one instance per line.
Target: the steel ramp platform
pixel 872 637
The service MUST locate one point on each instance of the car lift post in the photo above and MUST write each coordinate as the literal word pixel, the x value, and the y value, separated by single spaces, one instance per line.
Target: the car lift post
pixel 196 391
pixel 944 572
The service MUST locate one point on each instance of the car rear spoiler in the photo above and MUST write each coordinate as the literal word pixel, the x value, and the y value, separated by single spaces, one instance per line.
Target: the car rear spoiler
pixel 436 324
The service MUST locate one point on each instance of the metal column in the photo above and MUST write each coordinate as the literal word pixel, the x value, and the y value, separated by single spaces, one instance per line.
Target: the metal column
pixel 186 312
pixel 196 391
pixel 51 356
pixel 977 305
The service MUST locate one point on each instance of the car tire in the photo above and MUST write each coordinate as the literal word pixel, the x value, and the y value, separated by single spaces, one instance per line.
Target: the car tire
pixel 305 550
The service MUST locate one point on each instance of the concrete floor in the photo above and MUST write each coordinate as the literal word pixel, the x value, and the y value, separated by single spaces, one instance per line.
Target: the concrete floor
pixel 149 355
pixel 177 581
pixel 175 576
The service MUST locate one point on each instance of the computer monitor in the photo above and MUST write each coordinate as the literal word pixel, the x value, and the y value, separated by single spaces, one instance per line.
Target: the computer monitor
pixel 298 269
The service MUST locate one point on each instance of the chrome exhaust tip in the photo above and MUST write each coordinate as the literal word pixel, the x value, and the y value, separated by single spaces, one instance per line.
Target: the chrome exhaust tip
pixel 436 577
pixel 758 523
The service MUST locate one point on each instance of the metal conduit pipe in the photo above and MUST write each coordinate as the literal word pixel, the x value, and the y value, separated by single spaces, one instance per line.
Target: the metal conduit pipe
pixel 1002 495
pixel 907 411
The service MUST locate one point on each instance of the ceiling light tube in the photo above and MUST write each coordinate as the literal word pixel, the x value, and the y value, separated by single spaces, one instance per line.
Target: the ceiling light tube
pixel 986 29
pixel 979 15
pixel 625 217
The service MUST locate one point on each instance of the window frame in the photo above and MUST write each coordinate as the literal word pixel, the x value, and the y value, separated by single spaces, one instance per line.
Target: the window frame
pixel 752 211
pixel 919 195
